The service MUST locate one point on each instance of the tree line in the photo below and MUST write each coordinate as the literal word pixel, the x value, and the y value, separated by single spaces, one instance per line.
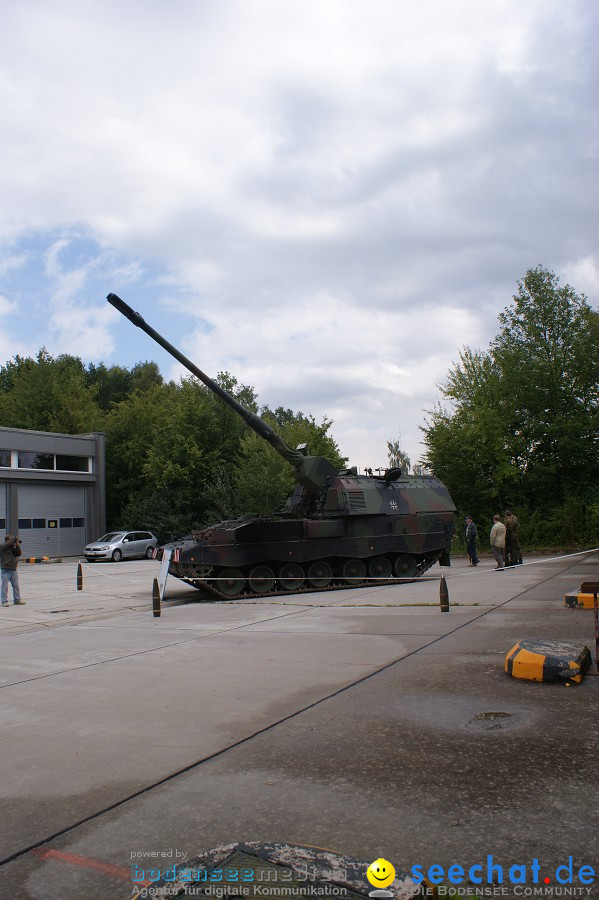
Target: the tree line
pixel 518 423
pixel 177 457
pixel 517 427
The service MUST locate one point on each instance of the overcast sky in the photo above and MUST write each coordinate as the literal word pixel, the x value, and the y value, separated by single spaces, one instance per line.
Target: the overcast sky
pixel 326 198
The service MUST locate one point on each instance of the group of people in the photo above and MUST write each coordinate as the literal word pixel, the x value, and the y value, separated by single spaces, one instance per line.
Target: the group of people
pixel 504 538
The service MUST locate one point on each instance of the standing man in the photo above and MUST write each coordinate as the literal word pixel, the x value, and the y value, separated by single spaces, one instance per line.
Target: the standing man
pixel 498 541
pixel 10 550
pixel 513 556
pixel 471 541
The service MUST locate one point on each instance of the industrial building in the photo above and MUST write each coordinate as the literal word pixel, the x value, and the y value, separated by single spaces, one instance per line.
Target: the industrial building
pixel 52 490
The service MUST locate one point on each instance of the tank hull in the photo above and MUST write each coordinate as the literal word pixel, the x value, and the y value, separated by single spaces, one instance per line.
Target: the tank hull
pixel 348 547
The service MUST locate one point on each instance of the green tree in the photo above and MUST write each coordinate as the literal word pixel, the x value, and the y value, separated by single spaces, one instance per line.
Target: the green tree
pixel 398 459
pixel 173 455
pixel 117 382
pixel 177 456
pixel 112 384
pixel 264 479
pixel 547 354
pixel 520 421
pixel 466 444
pixel 131 427
pixel 48 394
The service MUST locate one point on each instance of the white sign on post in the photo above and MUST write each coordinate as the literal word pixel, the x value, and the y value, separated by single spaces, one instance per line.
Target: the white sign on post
pixel 163 574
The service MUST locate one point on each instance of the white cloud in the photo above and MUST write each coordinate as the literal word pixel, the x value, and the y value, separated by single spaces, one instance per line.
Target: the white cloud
pixel 369 371
pixel 10 262
pixel 6 305
pixel 81 332
pixel 11 340
pixel 326 198
pixel 583 275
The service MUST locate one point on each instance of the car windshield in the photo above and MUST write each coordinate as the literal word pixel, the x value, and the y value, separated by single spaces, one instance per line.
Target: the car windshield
pixel 109 537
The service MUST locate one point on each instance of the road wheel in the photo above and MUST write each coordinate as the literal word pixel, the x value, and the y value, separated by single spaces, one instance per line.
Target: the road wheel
pixel 232 582
pixel 150 553
pixel 262 579
pixel 353 570
pixel 379 567
pixel 291 577
pixel 405 566
pixel 117 556
pixel 319 574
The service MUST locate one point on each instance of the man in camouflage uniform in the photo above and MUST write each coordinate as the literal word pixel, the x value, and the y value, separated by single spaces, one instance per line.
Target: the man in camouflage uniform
pixel 513 557
pixel 471 541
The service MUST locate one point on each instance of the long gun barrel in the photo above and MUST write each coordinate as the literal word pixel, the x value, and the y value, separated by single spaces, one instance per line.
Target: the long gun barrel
pixel 311 471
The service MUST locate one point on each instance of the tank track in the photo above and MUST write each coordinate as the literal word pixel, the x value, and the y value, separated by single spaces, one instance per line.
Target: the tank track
pixel 336 584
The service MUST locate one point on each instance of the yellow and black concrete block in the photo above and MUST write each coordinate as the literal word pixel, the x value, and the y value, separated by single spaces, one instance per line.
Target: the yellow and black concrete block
pixel 581 599
pixel 535 660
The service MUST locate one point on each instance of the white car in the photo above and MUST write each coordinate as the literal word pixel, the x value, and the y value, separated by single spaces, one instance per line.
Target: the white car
pixel 117 545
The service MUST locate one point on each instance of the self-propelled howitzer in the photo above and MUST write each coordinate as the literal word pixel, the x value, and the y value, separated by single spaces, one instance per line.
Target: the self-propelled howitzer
pixel 338 527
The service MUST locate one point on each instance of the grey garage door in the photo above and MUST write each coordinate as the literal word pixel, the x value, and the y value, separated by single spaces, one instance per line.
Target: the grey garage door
pixel 52 519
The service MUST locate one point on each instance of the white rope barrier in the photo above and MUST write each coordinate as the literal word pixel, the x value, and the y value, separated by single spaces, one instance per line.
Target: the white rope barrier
pixel 533 562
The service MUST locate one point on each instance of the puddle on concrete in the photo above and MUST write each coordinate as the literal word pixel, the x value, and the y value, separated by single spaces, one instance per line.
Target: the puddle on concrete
pixel 442 711
pixel 491 721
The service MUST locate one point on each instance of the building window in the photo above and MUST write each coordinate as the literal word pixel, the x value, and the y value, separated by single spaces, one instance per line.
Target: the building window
pixel 24 523
pixel 39 523
pixel 2 524
pixel 5 458
pixel 77 523
pixel 52 523
pixel 35 460
pixel 58 462
pixel 66 523
pixel 72 463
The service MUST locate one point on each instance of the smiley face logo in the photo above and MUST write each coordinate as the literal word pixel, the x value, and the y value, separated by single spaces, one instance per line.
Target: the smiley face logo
pixel 380 873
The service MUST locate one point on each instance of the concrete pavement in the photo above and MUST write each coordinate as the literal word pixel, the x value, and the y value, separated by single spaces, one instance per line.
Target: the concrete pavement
pixel 366 721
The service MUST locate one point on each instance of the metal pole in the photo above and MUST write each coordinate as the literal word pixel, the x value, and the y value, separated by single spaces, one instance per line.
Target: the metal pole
pixel 443 595
pixel 156 599
pixel 79 577
pixel 592 587
pixel 596 615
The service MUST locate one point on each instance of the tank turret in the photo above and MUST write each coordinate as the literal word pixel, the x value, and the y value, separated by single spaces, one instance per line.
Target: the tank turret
pixel 339 528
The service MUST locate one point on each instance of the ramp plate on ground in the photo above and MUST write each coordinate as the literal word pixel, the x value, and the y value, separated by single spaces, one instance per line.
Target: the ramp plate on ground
pixel 277 871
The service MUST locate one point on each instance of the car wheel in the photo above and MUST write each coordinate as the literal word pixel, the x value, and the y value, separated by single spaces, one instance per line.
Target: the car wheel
pixel 117 556
pixel 149 553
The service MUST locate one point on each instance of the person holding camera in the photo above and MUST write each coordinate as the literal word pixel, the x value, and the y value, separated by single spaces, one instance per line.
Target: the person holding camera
pixel 10 551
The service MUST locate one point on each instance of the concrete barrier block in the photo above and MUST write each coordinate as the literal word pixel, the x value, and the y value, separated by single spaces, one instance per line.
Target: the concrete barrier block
pixel 578 600
pixel 535 660
pixel 585 601
pixel 571 599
